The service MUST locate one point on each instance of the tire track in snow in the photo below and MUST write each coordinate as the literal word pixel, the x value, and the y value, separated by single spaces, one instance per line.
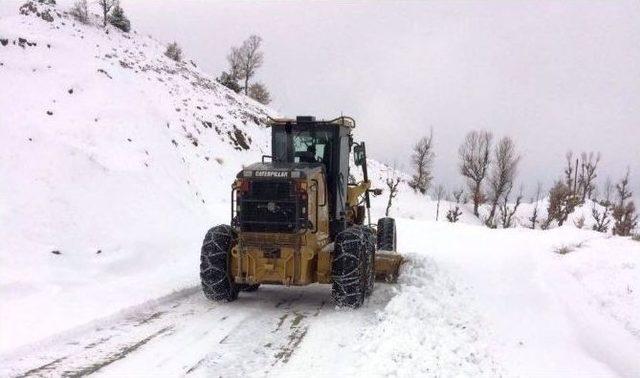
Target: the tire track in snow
pixel 261 330
pixel 421 325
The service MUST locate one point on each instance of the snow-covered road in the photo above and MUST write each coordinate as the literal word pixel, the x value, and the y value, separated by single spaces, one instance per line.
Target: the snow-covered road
pixel 470 302
pixel 275 331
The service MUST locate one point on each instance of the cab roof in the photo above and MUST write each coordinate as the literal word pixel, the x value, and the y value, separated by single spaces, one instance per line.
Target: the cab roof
pixel 302 120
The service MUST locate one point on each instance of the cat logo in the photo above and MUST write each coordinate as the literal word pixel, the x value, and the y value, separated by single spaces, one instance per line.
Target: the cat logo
pixel 281 174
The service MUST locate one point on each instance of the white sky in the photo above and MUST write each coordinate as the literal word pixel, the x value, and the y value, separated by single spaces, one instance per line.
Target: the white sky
pixel 553 75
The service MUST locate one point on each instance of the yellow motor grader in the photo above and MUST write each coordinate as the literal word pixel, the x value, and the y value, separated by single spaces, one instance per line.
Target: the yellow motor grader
pixel 298 217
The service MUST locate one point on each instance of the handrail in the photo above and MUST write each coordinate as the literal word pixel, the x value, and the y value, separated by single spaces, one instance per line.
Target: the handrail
pixel 315 226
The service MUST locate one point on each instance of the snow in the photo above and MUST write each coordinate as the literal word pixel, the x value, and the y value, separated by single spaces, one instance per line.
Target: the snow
pixel 102 182
pixel 102 173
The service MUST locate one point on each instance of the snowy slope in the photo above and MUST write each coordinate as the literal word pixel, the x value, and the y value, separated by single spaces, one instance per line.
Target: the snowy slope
pixel 116 157
pixel 119 159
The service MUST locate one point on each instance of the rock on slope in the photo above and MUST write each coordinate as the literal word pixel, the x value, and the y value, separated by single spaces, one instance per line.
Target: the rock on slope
pixel 112 165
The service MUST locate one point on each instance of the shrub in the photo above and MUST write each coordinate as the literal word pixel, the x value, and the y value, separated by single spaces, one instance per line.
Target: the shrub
pixel 229 81
pixel 259 92
pixel 453 215
pixel 174 52
pixel 563 249
pixel 601 219
pixel 119 20
pixel 562 202
pixel 80 12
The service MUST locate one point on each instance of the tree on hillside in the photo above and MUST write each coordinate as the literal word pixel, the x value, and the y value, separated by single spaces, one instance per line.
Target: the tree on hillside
pixel 118 19
pixel 569 172
pixel 453 215
pixel 474 163
pixel 602 215
pixel 624 211
pixel 507 212
pixel 392 184
pixel 502 176
pixel 562 202
pixel 601 218
pixel 259 92
pixel 439 192
pixel 607 190
pixel 174 51
pixel 230 81
pixel 534 215
pixel 586 177
pixel 105 7
pixel 422 160
pixel 80 11
pixel 245 60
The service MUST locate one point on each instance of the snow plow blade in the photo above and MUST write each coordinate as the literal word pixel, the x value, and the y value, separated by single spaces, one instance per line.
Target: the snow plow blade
pixel 388 266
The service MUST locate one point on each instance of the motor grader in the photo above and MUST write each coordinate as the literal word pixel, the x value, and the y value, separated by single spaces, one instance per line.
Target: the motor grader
pixel 299 217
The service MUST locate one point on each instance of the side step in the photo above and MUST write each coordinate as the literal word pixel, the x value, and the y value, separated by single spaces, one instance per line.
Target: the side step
pixel 388 266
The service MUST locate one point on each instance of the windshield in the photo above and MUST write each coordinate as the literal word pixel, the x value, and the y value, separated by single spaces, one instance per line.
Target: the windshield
pixel 303 146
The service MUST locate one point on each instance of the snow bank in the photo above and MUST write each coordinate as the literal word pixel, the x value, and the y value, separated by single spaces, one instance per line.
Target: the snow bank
pixel 549 313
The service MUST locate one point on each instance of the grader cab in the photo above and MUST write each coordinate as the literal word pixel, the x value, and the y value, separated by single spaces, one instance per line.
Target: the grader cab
pixel 297 219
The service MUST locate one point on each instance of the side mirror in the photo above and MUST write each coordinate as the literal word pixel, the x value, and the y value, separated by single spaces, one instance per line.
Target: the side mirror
pixel 359 154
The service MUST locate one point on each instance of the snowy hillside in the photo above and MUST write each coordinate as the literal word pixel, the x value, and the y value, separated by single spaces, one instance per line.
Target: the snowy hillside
pixel 115 162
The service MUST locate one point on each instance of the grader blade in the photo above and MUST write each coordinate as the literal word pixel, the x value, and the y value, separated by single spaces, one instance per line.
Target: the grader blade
pixel 388 266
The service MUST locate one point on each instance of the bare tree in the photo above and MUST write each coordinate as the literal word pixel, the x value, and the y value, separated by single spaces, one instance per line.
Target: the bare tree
pixel 422 160
pixel 392 184
pixel 259 92
pixel 474 163
pixel 568 170
pixel 607 190
pixel 624 212
pixel 601 219
pixel 453 215
pixel 534 216
pixel 503 173
pixel 245 60
pixel 439 192
pixel 587 176
pixel 80 11
pixel 458 196
pixel 105 6
pixel 622 190
pixel 506 211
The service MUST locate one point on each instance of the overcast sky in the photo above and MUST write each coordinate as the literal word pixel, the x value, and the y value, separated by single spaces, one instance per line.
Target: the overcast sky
pixel 553 75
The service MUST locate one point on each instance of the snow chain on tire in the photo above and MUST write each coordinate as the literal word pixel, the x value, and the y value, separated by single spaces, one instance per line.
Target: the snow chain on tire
pixel 352 267
pixel 217 282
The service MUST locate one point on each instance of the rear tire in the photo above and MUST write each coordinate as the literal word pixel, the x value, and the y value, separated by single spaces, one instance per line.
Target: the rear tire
pixel 215 276
pixel 352 266
pixel 370 245
pixel 387 236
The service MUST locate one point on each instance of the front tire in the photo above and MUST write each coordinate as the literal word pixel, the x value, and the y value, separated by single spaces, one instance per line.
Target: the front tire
pixel 215 261
pixel 352 268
